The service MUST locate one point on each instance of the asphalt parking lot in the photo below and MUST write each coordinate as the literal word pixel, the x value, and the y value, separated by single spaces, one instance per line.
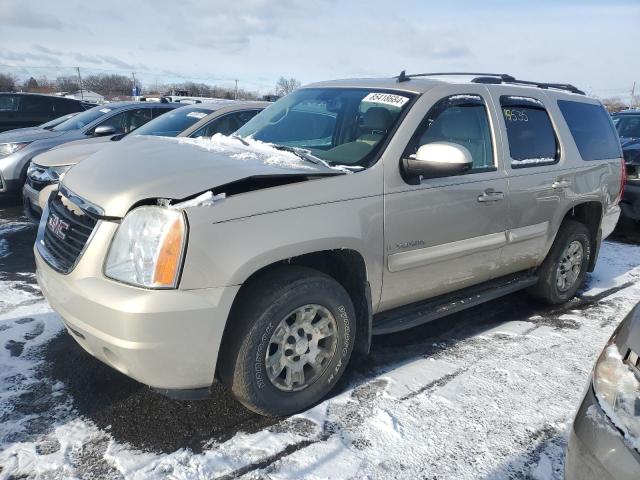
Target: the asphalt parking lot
pixel 127 429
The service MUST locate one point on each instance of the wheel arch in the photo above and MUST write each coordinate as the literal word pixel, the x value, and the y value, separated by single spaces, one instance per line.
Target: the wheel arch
pixel 589 213
pixel 346 266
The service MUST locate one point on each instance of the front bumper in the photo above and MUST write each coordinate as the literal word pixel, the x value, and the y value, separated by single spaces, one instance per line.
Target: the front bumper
pixel 34 201
pixel 630 203
pixel 596 450
pixel 167 339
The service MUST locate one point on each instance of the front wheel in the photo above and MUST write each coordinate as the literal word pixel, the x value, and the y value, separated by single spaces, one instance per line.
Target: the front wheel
pixel 564 269
pixel 292 337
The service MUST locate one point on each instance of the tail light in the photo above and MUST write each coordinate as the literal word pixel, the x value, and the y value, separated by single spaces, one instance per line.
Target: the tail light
pixel 623 179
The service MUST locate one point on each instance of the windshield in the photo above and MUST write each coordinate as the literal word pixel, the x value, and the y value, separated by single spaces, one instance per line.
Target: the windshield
pixel 174 122
pixel 82 119
pixel 627 125
pixel 57 121
pixel 344 126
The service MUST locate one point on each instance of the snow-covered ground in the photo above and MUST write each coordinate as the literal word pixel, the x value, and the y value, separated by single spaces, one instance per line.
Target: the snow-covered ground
pixel 463 399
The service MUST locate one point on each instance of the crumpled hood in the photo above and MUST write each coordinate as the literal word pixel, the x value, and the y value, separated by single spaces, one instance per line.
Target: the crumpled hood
pixel 19 136
pixel 149 167
pixel 69 153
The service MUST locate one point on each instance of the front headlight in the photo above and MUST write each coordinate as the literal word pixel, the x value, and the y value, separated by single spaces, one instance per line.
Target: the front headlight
pixel 618 391
pixel 9 148
pixel 47 174
pixel 148 248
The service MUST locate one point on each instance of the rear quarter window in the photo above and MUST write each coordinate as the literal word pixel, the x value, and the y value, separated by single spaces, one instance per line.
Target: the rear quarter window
pixel 592 130
pixel 532 139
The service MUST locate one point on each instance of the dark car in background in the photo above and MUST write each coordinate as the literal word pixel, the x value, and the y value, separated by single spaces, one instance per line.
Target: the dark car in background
pixel 604 442
pixel 19 110
pixel 628 126
pixel 199 120
pixel 18 148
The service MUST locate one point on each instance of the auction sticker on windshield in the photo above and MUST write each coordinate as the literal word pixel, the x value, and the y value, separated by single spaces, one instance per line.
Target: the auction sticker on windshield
pixel 196 114
pixel 386 99
pixel 105 110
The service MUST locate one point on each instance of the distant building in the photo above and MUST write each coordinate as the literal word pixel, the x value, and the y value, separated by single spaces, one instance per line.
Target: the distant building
pixel 86 95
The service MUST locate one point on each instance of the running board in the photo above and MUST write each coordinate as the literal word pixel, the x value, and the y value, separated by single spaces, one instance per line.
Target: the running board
pixel 409 316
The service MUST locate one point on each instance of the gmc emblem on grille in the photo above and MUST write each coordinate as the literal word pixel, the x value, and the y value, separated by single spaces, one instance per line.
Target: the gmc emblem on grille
pixel 58 227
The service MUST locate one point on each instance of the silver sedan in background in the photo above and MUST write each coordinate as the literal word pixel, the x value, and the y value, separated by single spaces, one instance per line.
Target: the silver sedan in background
pixel 604 442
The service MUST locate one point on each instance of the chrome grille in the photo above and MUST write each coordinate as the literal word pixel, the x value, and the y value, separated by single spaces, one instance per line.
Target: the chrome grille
pixel 65 233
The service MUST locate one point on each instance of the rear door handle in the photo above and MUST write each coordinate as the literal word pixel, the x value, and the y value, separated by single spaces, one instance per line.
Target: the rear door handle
pixel 561 184
pixel 490 196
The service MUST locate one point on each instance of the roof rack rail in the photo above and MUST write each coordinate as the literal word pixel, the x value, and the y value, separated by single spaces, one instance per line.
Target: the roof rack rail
pixel 493 78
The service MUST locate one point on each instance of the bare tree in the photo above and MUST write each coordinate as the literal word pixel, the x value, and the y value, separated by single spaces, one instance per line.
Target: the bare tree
pixel 30 85
pixel 284 86
pixel 112 84
pixel 7 82
pixel 67 84
pixel 614 104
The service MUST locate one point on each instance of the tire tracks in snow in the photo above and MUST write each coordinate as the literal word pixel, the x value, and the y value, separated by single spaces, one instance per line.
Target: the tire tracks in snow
pixel 345 418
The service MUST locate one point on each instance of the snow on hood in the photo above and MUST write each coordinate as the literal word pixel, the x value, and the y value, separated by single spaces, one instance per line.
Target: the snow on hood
pixel 149 167
pixel 28 135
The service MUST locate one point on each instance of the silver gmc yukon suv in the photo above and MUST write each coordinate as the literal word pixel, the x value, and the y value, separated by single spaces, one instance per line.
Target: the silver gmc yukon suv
pixel 346 209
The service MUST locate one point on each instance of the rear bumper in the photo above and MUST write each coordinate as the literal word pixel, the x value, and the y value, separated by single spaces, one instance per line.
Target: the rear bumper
pixel 167 339
pixel 630 203
pixel 609 221
pixel 596 450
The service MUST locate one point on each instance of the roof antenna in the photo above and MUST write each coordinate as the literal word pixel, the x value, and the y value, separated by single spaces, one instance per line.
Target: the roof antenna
pixel 403 77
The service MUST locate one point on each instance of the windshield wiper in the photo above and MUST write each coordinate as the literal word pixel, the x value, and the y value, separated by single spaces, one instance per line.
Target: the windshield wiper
pixel 301 153
pixel 238 137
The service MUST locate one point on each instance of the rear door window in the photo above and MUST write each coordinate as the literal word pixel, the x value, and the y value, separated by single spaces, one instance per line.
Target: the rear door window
pixel 37 104
pixel 9 103
pixel 591 129
pixel 628 126
pixel 129 120
pixel 225 125
pixel 157 111
pixel 532 139
pixel 63 106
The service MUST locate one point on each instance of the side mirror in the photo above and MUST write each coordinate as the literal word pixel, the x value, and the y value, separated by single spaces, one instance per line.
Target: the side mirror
pixel 438 159
pixel 103 130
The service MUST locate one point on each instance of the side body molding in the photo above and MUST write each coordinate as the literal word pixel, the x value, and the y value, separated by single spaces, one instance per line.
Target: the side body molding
pixel 449 251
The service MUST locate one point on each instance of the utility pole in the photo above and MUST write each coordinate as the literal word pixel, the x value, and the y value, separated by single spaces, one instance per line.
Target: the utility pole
pixel 236 89
pixel 133 89
pixel 80 84
pixel 632 102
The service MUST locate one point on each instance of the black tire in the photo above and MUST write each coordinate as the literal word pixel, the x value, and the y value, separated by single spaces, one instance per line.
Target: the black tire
pixel 547 287
pixel 260 308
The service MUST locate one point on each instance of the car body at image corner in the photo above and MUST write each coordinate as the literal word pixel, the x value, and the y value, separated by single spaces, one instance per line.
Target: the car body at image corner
pixel 345 209
pixel 21 110
pixel 604 442
pixel 17 149
pixel 627 124
pixel 203 119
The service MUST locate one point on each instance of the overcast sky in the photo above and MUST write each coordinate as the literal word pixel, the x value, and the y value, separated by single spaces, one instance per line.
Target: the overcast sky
pixel 592 44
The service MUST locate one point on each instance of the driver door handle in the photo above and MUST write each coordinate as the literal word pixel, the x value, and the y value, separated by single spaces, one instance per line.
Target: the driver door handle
pixel 561 184
pixel 490 195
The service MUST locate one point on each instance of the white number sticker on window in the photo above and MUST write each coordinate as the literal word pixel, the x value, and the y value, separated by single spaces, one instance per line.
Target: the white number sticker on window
pixel 105 110
pixel 386 99
pixel 196 114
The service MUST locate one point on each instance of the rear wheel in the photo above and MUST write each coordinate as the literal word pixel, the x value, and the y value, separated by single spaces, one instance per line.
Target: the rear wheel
pixel 564 269
pixel 291 339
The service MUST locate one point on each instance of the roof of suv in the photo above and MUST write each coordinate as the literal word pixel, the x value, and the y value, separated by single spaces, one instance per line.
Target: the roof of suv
pixel 421 84
pixel 48 95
